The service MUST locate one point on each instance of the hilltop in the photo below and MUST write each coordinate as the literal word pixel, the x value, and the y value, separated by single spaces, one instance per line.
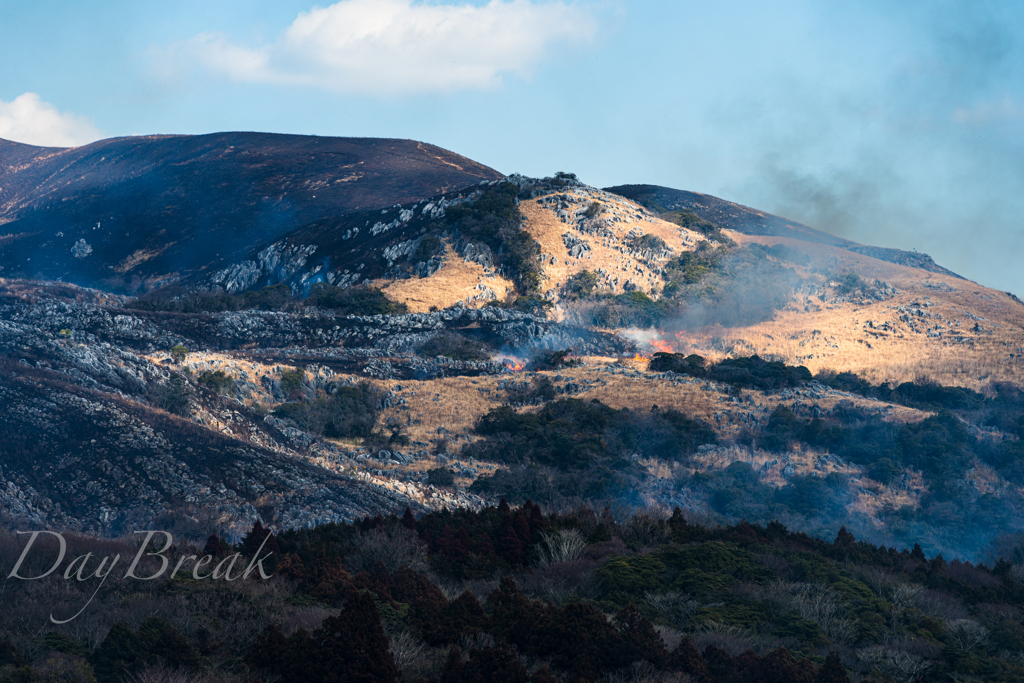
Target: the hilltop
pixel 133 213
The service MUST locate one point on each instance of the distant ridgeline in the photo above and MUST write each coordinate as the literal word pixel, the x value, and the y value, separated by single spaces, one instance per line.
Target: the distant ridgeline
pixel 680 205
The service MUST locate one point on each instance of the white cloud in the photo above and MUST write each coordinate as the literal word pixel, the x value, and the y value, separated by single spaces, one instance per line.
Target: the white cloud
pixel 30 120
pixel 396 46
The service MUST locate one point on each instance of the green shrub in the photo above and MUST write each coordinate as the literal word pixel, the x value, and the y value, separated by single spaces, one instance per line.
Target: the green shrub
pixel 632 309
pixel 849 283
pixel 453 345
pixel 495 220
pixel 347 412
pixel 580 285
pixel 178 354
pixel 357 300
pixel 691 221
pixel 532 304
pixel 626 579
pixel 217 381
pixel 651 242
pixel 429 246
pixel 441 476
pixel 173 396
pixel 291 382
pixel 273 298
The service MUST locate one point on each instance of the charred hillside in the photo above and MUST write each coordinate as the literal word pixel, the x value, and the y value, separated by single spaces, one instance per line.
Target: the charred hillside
pixel 130 213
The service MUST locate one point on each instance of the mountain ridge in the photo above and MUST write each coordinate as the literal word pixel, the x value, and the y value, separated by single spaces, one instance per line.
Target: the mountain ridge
pixel 129 213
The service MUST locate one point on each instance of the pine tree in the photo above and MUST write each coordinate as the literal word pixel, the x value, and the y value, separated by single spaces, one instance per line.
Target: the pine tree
pixel 408 519
pixel 832 671
pixel 844 539
pixel 213 546
pixel 351 647
pixel 639 639
pixel 686 659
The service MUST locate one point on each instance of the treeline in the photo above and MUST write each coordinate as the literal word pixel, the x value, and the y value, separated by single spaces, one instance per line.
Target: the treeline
pixel 580 449
pixel 750 372
pixel 513 594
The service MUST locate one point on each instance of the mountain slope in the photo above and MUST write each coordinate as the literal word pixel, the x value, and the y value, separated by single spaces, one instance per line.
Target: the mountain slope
pixel 135 212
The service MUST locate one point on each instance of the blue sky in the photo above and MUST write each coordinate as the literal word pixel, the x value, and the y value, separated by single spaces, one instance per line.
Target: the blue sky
pixel 892 123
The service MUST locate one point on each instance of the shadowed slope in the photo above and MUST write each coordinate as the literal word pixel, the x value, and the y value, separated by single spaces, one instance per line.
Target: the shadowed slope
pixel 159 208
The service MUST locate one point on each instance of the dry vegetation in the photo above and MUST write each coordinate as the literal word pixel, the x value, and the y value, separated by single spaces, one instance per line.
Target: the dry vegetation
pixel 458 281
pixel 824 334
pixel 608 253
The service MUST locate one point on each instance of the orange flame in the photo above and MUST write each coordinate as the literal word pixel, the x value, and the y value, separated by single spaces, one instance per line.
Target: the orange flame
pixel 661 345
pixel 512 364
pixel 638 357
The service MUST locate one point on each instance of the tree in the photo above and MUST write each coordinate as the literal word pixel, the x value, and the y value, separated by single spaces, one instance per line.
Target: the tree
pixel 639 639
pixel 832 671
pixel 351 647
pixel 179 353
pixel 213 546
pixel 485 665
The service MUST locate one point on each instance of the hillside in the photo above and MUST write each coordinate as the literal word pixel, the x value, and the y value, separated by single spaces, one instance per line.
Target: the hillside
pixel 430 353
pixel 132 213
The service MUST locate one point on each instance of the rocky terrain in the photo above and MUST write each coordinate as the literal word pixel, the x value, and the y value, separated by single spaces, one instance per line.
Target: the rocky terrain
pixel 87 446
pixel 121 413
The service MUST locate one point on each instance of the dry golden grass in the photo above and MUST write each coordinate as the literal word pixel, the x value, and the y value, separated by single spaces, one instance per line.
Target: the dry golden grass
pixel 547 229
pixel 845 342
pixel 457 280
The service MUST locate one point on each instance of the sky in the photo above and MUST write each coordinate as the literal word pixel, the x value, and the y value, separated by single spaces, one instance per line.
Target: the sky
pixel 896 123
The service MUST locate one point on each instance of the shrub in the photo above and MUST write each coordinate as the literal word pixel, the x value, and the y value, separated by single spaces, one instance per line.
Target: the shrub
pixel 218 381
pixel 173 396
pixel 178 354
pixel 495 220
pixel 357 300
pixel 347 412
pixel 429 246
pixel 291 382
pixel 691 221
pixel 580 285
pixel 651 242
pixel 441 476
pixel 532 304
pixel 849 283
pixel 555 360
pixel 456 346
pixel 631 309
pixel 274 298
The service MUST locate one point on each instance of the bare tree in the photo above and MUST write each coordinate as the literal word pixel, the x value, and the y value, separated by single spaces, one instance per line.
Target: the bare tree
pixel 677 607
pixel 406 649
pixel 897 665
pixel 564 546
pixel 643 530
pixel 968 633
pixel 392 547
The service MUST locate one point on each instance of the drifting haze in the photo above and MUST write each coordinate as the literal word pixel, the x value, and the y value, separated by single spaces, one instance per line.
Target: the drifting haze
pixel 896 124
